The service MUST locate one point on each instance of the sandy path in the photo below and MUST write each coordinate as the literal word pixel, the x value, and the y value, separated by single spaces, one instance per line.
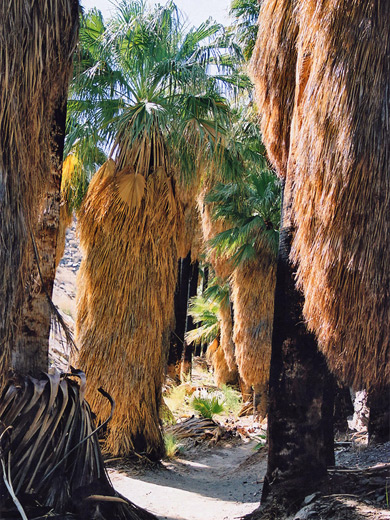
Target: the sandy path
pixel 221 484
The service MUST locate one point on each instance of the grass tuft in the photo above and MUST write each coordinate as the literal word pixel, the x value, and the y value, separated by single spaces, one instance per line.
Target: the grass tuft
pixel 172 446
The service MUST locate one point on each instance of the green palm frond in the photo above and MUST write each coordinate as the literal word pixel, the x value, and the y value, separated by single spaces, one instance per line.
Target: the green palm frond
pixel 142 78
pixel 204 310
pixel 245 14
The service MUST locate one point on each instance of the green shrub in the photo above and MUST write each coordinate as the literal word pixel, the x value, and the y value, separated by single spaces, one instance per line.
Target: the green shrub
pixel 207 407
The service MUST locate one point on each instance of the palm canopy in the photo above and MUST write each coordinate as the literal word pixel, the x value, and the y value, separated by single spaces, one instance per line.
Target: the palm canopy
pixel 144 86
pixel 249 206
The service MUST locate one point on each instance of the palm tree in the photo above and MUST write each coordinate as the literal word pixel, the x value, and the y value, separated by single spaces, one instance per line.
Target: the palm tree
pixel 251 210
pixel 145 85
pixel 329 150
pixel 45 423
pixel 211 311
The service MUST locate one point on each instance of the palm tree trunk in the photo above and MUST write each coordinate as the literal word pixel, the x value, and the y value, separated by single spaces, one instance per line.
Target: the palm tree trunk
pixel 343 408
pixel 379 419
pixel 35 68
pixel 260 401
pixel 181 303
pixel 189 349
pixel 300 431
pixel 30 351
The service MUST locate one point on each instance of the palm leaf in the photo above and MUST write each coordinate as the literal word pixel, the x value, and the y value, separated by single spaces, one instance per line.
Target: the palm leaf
pixel 131 188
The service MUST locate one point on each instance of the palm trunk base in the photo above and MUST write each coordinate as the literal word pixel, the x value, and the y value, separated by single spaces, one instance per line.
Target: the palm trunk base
pixel 260 401
pixel 379 418
pixel 301 396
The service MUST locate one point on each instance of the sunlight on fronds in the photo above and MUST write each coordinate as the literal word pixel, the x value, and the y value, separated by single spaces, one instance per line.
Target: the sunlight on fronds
pixel 131 188
pixel 207 407
pixel 204 312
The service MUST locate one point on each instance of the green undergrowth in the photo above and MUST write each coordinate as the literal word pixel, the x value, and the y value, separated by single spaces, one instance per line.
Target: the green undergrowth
pixel 172 445
pixel 207 407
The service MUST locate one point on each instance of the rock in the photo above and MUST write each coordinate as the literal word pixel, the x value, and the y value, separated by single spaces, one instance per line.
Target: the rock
pixel 310 498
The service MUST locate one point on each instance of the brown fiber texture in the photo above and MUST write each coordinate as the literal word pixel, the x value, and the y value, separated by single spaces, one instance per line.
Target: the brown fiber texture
pixel 37 40
pixel 125 303
pixel 226 340
pixel 210 228
pixel 222 373
pixel 273 72
pixel 253 287
pixel 339 167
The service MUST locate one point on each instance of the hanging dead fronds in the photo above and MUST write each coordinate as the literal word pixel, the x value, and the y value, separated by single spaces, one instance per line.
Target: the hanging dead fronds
pixel 273 72
pixel 128 274
pixel 66 216
pixel 223 375
pixel 211 228
pixel 339 152
pixel 226 339
pixel 253 287
pixel 338 168
pixel 131 187
pixel 37 42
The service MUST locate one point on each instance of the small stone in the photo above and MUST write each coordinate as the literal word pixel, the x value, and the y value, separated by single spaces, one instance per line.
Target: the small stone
pixel 310 498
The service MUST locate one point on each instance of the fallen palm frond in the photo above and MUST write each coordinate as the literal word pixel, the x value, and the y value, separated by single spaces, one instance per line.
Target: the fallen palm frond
pixel 38 39
pixel 341 171
pixel 51 452
pixel 201 428
pixel 129 274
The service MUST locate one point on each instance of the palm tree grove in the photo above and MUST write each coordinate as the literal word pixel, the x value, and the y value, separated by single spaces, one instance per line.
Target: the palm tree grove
pixel 195 296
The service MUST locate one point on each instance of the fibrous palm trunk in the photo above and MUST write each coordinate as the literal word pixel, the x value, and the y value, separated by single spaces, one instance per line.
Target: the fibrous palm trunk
pixel 36 60
pixel 30 353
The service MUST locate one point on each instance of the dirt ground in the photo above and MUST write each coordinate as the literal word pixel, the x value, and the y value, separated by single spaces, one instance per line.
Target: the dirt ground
pixel 223 481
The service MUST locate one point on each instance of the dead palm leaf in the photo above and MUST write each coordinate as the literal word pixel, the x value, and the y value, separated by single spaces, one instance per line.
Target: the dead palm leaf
pixel 51 450
pixel 131 188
